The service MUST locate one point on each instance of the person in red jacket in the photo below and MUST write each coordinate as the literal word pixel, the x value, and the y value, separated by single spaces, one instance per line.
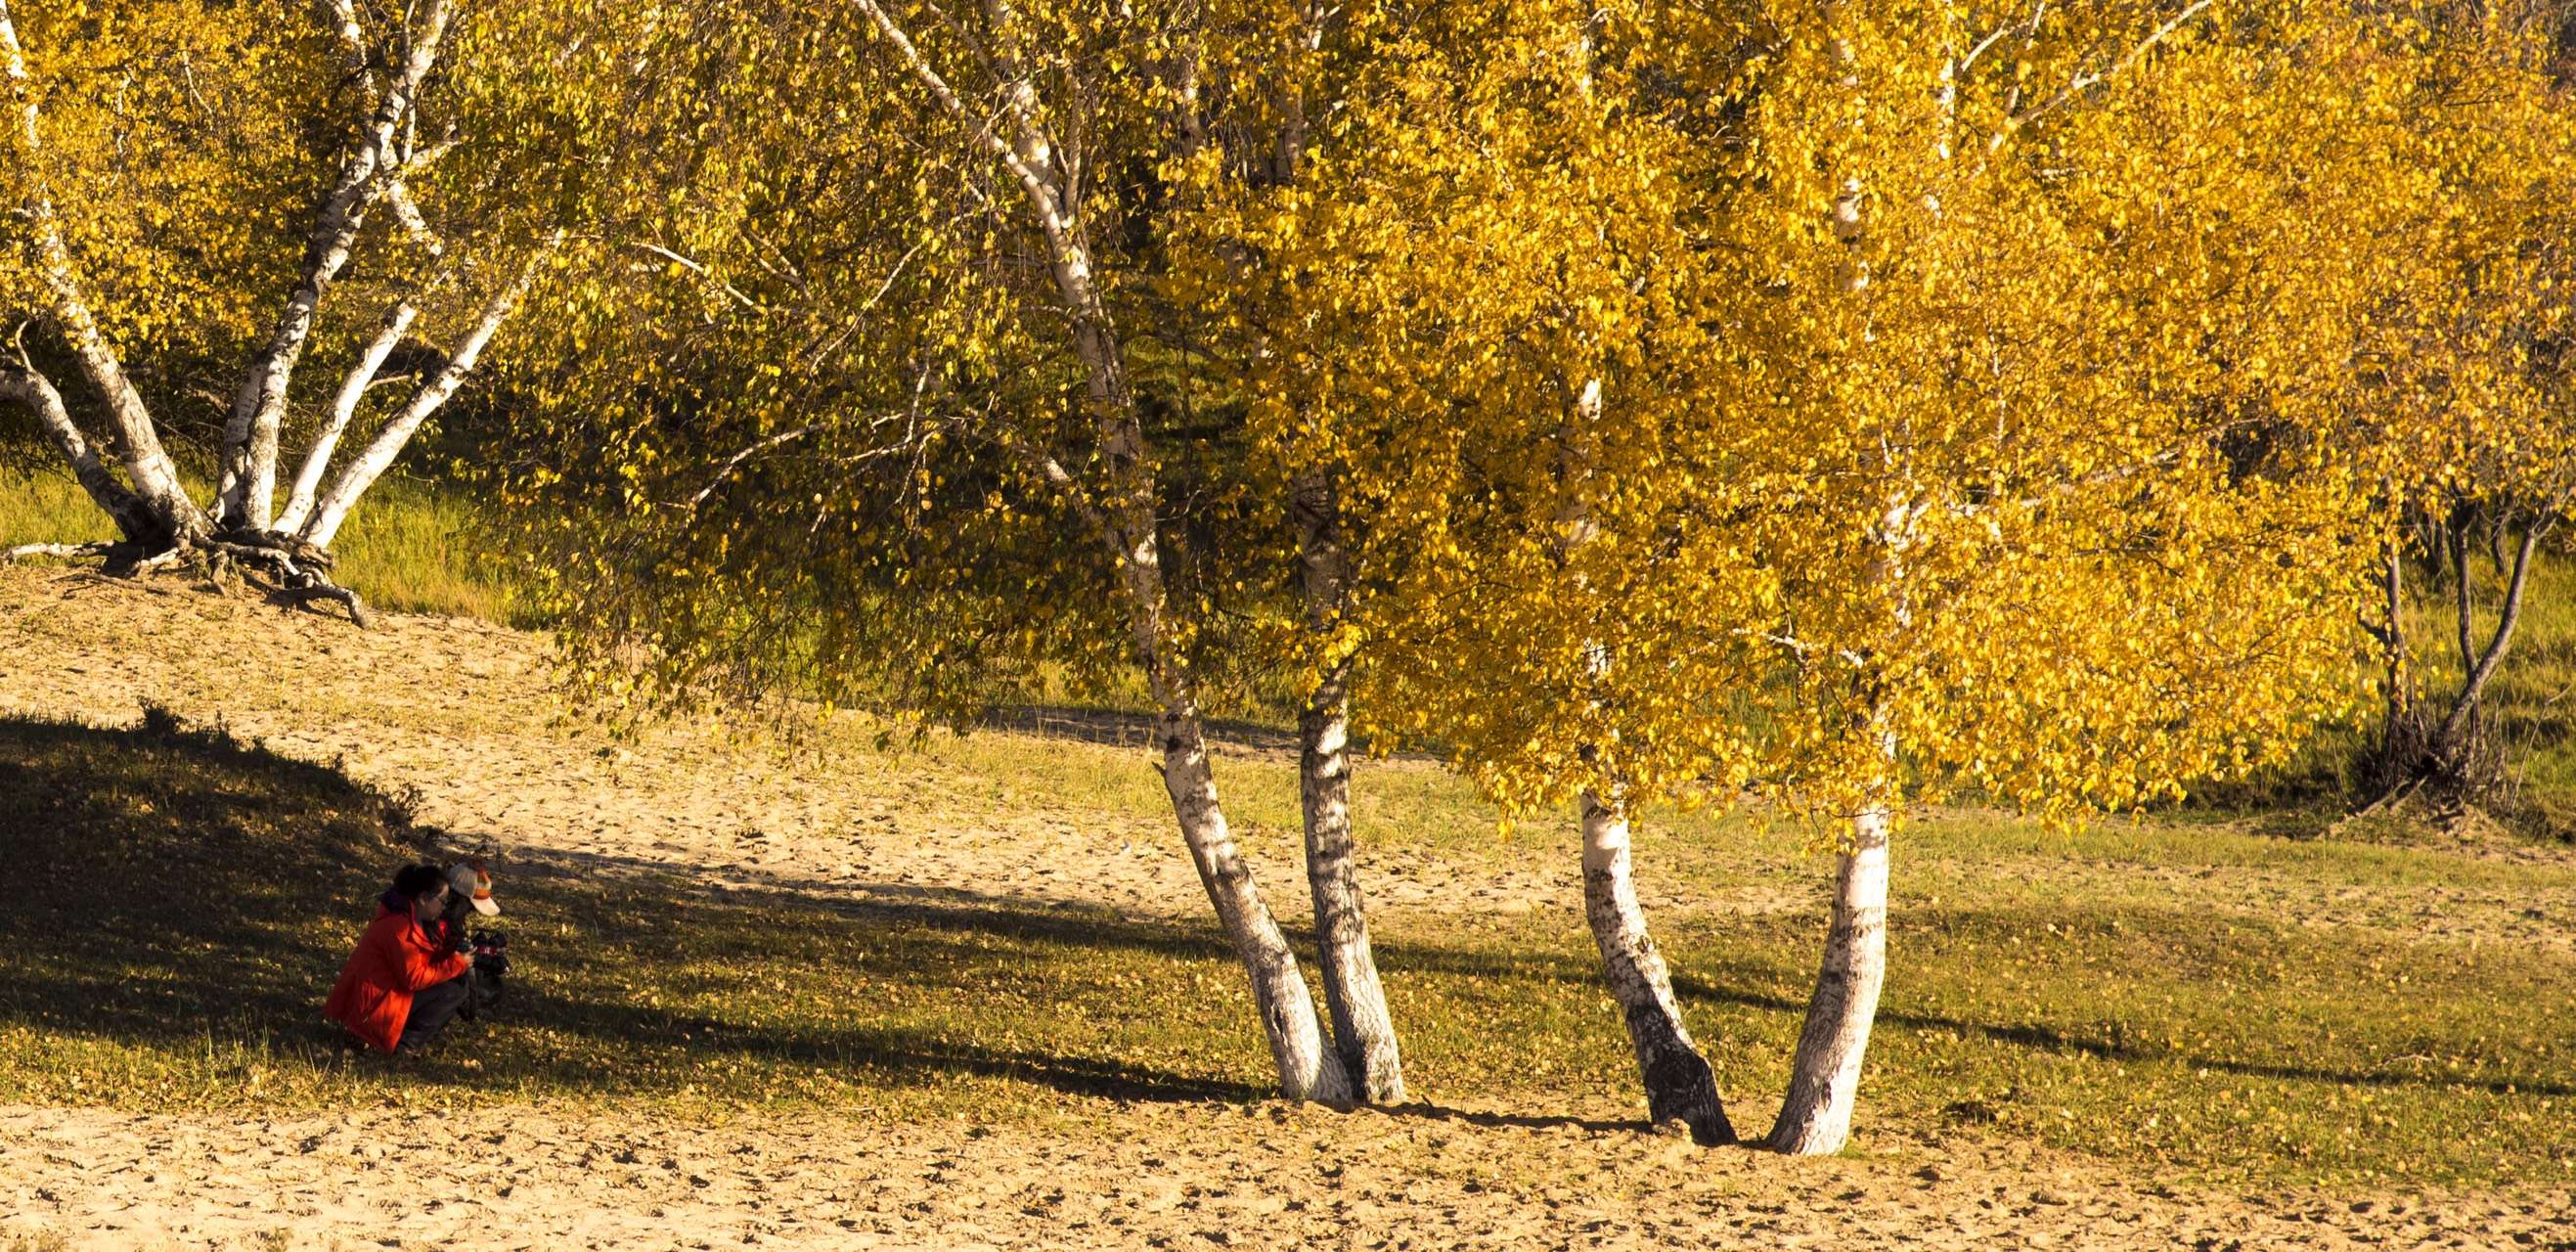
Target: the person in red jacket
pixel 401 987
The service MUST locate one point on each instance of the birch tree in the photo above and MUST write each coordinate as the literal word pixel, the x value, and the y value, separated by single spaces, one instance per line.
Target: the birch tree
pixel 1429 319
pixel 2459 379
pixel 1801 428
pixel 423 149
pixel 2026 550
pixel 927 364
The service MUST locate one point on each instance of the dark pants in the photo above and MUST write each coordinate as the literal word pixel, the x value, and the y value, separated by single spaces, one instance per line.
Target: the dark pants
pixel 434 1008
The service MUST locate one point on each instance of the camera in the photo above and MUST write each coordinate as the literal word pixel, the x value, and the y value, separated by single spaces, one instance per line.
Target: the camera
pixel 491 953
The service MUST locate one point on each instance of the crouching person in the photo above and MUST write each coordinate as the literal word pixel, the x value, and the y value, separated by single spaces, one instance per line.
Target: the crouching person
pixel 402 986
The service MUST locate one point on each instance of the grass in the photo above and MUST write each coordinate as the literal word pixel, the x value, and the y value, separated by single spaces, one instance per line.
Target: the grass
pixel 2530 706
pixel 407 547
pixel 187 899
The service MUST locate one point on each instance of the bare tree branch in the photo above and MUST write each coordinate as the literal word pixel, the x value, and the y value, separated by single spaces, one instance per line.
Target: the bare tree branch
pixel 702 272
pixel 2083 82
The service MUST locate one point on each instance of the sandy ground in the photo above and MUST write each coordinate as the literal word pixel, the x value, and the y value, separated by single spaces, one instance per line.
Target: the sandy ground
pixel 466 726
pixel 1167 1177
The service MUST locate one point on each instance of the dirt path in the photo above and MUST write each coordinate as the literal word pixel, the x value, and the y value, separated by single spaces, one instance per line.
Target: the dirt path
pixel 457 713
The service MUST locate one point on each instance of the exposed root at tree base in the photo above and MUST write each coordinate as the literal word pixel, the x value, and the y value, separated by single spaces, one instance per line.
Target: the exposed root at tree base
pixel 297 572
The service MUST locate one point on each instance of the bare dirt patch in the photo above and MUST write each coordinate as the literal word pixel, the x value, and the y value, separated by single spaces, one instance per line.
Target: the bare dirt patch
pixel 1263 1176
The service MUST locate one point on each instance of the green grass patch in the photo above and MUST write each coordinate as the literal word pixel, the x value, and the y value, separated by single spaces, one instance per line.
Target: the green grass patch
pixel 408 547
pixel 182 901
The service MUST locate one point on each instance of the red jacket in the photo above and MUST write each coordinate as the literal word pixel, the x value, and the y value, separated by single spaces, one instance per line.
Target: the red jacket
pixel 394 959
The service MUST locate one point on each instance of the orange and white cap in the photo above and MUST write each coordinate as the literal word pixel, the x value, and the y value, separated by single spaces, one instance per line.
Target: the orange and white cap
pixel 473 880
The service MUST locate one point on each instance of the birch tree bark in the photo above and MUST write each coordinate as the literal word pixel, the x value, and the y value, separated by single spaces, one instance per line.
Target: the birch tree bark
pixel 1679 1084
pixel 380 452
pixel 247 483
pixel 1121 512
pixel 1824 1075
pixel 155 481
pixel 344 409
pixel 24 384
pixel 1363 1029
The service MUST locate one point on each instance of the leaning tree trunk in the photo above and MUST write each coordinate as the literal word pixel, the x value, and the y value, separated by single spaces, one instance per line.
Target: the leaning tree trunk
pixel 1824 1076
pixel 134 518
pixel 1353 992
pixel 1287 1010
pixel 1679 1084
pixel 1363 1029
pixel 156 511
pixel 1120 511
pixel 2453 747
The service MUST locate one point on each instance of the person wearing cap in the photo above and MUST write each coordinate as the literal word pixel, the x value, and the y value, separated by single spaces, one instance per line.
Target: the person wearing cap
pixel 401 986
pixel 469 890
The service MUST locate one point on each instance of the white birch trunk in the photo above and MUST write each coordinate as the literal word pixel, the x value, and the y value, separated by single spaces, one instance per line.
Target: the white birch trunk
pixel 380 452
pixel 133 518
pixel 1824 1075
pixel 1123 517
pixel 1679 1084
pixel 344 409
pixel 1307 1071
pixel 1363 1029
pixel 247 481
pixel 1824 1079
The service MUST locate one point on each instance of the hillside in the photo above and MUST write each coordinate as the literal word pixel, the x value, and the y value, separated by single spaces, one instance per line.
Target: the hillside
pixel 967 994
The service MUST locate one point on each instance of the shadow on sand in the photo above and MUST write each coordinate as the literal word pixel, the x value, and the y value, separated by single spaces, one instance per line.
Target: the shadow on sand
pixel 174 886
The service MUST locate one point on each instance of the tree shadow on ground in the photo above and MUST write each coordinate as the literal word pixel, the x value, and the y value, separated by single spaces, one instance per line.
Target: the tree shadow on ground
pixel 176 886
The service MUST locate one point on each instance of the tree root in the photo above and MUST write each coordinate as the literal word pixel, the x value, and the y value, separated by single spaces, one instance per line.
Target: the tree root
pixel 299 570
pixel 71 550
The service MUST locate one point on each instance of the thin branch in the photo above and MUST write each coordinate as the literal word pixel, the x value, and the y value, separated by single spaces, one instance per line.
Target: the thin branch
pixel 2087 81
pixel 726 470
pixel 1041 189
pixel 1969 61
pixel 702 272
